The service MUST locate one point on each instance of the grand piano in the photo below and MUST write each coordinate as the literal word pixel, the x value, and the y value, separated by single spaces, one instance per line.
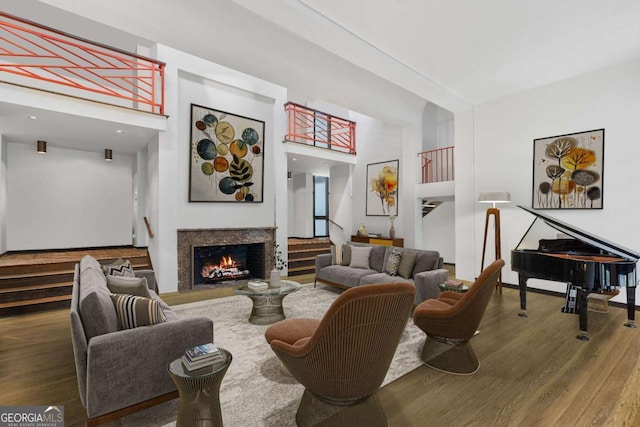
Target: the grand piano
pixel 554 250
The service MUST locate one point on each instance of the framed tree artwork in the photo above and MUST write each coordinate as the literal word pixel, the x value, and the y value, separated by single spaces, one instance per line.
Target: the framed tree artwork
pixel 226 157
pixel 568 171
pixel 382 188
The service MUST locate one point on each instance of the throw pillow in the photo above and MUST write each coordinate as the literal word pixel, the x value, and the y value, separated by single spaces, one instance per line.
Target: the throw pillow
pixel 360 256
pixel 336 255
pixel 128 285
pixel 135 311
pixel 393 261
pixel 123 269
pixel 346 254
pixel 408 261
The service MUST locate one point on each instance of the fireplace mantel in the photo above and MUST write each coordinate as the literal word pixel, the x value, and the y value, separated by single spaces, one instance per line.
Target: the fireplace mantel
pixel 188 238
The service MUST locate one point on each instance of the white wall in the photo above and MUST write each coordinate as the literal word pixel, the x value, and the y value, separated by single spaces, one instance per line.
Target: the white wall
pixel 340 206
pixel 302 205
pixel 502 140
pixel 67 199
pixel 189 79
pixel 438 231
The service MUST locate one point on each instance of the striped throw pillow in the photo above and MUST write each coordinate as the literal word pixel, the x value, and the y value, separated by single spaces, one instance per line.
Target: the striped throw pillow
pixel 134 311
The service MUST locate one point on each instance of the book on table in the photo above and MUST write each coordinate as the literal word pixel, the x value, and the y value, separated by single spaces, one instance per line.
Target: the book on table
pixel 257 285
pixel 202 351
pixel 193 365
pixel 453 283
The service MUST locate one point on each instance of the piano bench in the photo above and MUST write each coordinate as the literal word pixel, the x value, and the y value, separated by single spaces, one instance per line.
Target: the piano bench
pixel 599 303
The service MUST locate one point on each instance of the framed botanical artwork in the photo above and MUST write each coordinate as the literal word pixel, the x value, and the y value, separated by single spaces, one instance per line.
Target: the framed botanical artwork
pixel 226 157
pixel 568 171
pixel 382 188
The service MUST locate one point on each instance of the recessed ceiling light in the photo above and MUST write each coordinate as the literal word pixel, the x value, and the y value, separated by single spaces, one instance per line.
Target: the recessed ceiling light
pixel 119 131
pixel 294 159
pixel 33 117
pixel 326 164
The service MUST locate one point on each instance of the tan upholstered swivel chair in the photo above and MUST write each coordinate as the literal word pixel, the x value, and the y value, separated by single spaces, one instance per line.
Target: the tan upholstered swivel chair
pixel 451 321
pixel 343 358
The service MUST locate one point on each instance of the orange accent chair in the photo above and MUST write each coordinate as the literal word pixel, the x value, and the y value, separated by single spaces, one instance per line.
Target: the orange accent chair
pixel 342 359
pixel 452 320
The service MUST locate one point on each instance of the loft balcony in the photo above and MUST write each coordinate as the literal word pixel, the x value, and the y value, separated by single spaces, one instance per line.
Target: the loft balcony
pixel 437 175
pixel 315 128
pixel 43 58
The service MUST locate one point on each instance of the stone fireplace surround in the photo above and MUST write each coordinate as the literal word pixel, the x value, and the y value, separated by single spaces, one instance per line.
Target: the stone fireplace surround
pixel 188 238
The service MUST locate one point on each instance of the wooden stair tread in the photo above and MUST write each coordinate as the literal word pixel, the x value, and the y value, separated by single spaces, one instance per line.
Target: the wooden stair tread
pixel 304 268
pixel 311 258
pixel 35 301
pixel 35 287
pixel 298 251
pixel 5 276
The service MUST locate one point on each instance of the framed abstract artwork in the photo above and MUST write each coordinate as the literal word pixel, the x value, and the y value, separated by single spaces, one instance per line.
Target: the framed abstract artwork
pixel 568 171
pixel 382 188
pixel 226 157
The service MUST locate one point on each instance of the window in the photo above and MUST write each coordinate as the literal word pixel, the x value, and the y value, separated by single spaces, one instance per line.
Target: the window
pixel 320 206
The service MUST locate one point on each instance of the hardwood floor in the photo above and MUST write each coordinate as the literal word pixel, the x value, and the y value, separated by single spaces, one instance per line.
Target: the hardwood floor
pixel 533 372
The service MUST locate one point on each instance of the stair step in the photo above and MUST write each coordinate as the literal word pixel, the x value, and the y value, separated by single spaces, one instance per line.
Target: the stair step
pixel 35 292
pixel 312 253
pixel 48 271
pixel 31 306
pixel 296 271
pixel 45 300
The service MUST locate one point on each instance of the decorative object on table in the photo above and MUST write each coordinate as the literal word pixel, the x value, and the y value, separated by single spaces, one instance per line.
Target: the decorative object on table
pixel 259 285
pixel 392 231
pixel 493 197
pixel 200 356
pixel 362 231
pixel 279 265
pixel 382 195
pixel 227 157
pixel 568 171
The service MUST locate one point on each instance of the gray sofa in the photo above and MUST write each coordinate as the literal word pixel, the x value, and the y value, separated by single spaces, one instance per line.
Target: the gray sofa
pixel 426 275
pixel 120 369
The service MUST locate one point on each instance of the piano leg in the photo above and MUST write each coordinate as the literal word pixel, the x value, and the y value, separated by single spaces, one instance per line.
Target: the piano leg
pixel 631 307
pixel 582 314
pixel 522 285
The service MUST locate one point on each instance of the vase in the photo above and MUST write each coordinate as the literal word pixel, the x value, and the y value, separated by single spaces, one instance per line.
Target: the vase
pixel 392 232
pixel 275 277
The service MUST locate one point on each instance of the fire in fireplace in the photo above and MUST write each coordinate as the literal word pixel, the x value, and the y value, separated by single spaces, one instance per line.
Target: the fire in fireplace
pixel 218 264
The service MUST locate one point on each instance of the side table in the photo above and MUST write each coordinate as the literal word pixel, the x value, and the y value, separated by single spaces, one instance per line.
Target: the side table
pixel 199 392
pixel 461 289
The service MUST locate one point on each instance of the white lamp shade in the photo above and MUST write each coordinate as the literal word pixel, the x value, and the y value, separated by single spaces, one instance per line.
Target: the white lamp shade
pixel 494 197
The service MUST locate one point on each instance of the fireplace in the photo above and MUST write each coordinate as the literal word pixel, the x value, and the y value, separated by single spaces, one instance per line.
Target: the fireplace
pixel 250 249
pixel 227 263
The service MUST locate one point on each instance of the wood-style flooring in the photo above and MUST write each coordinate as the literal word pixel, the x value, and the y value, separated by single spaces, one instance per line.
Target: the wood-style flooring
pixel 533 372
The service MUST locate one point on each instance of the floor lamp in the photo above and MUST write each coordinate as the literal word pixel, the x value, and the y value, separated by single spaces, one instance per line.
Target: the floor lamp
pixel 493 197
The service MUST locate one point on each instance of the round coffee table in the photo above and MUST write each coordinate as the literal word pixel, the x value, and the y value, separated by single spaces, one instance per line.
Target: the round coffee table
pixel 199 392
pixel 267 303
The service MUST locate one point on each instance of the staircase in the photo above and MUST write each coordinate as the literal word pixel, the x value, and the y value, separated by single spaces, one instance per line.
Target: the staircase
pixel 302 254
pixel 42 280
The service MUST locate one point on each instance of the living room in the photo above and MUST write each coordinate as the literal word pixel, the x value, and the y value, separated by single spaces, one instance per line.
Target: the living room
pixel 493 140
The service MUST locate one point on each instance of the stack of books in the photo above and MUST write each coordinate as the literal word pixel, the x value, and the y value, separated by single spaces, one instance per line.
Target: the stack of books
pixel 200 356
pixel 453 283
pixel 257 285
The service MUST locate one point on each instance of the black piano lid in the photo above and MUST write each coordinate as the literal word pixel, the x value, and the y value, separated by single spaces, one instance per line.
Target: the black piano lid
pixel 586 237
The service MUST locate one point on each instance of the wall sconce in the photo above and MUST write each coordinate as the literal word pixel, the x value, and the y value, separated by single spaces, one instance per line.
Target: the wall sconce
pixel 42 147
pixel 108 154
pixel 493 197
pixel 289 175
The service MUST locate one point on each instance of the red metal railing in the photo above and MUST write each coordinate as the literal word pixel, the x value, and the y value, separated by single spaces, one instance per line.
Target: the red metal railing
pixel 44 58
pixel 313 127
pixel 437 165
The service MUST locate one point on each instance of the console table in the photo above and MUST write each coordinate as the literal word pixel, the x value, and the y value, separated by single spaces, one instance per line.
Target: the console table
pixel 385 241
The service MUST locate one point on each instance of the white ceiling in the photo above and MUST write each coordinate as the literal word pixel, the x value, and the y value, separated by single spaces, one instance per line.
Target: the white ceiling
pixel 455 52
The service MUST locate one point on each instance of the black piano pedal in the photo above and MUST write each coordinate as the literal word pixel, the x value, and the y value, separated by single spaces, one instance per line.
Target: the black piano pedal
pixel 523 314
pixel 630 324
pixel 582 336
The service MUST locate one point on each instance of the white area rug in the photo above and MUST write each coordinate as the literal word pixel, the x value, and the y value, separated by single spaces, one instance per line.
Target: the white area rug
pixel 254 392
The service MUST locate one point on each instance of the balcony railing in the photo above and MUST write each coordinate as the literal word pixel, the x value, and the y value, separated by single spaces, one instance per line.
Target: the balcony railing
pixel 313 127
pixel 40 57
pixel 437 165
